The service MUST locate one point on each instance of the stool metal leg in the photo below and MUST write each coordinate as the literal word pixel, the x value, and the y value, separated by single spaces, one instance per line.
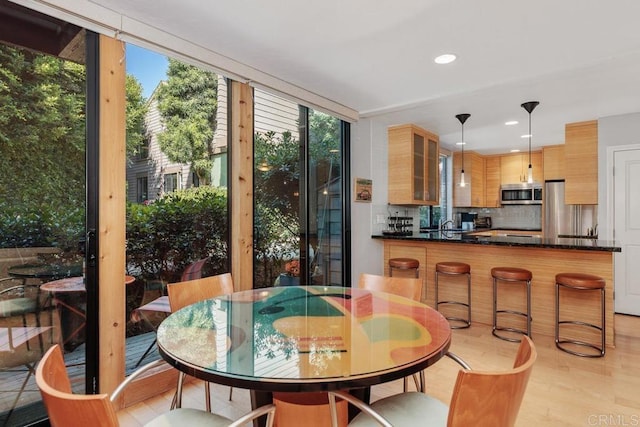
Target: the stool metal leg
pixel 436 291
pixel 496 328
pixel 560 342
pixel 529 308
pixel 466 322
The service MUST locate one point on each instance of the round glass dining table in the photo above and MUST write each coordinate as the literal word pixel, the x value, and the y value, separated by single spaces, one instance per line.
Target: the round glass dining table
pixel 304 338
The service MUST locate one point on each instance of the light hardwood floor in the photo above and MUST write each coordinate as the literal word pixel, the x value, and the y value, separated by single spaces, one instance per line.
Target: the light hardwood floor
pixel 564 390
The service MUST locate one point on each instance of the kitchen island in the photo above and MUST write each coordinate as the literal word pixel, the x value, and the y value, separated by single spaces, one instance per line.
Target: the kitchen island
pixel 543 257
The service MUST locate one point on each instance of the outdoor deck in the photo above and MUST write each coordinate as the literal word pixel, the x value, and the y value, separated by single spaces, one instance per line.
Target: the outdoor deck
pixel 13 380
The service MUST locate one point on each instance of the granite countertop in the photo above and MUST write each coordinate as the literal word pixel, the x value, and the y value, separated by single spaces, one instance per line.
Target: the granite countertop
pixel 475 237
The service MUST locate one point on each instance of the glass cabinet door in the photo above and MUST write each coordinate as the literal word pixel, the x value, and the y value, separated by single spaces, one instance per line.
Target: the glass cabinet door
pixel 418 167
pixel 432 175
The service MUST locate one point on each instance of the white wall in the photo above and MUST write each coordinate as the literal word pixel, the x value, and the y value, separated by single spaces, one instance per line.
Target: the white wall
pixel 368 160
pixel 612 131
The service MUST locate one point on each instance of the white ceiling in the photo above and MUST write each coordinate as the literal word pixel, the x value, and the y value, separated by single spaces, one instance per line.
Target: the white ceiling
pixel 579 58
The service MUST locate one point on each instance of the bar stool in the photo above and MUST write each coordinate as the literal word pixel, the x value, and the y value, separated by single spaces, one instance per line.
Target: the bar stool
pixel 455 269
pixel 580 282
pixel 511 275
pixel 404 264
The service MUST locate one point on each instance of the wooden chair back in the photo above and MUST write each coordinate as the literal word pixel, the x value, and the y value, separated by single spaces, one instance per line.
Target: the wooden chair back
pixel 194 270
pixel 408 287
pixel 182 294
pixel 67 409
pixel 492 398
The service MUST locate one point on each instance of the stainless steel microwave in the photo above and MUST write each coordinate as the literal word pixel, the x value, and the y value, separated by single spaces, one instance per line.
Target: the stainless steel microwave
pixel 521 194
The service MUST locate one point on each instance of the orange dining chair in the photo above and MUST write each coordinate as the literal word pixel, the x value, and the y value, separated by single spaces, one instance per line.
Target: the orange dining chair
pixel 483 399
pixel 408 287
pixel 182 294
pixel 66 409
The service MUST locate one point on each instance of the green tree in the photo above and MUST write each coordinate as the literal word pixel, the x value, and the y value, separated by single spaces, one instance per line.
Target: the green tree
pixel 188 103
pixel 277 187
pixel 136 109
pixel 42 129
pixel 43 144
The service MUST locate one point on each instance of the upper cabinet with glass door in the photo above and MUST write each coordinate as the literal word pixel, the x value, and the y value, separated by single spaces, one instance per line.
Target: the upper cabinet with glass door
pixel 413 166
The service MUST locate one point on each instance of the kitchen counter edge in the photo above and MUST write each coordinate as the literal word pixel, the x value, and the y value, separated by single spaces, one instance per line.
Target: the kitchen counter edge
pixel 531 242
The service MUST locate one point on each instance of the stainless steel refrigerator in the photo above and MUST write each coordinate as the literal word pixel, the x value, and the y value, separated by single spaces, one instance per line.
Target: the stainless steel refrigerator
pixel 565 220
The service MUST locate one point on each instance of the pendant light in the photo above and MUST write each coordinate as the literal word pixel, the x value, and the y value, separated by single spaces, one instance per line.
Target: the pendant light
pixel 530 106
pixel 462 118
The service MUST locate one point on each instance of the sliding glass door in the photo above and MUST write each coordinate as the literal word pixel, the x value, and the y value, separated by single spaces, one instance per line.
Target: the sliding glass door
pixel 300 208
pixel 46 92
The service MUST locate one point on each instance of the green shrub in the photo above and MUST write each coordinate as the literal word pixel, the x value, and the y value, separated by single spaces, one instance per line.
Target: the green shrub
pixel 165 236
pixel 30 225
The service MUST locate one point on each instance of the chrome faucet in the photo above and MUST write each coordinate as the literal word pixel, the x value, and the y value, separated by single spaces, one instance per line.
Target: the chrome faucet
pixel 443 224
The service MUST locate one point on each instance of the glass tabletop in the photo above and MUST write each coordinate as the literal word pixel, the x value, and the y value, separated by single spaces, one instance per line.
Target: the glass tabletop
pixel 46 271
pixel 304 338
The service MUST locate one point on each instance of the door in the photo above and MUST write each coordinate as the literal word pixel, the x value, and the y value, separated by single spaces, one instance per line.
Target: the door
pixel 627 230
pixel 47 206
pixel 299 195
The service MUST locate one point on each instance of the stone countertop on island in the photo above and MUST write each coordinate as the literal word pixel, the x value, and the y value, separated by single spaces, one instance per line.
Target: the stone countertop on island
pixel 476 238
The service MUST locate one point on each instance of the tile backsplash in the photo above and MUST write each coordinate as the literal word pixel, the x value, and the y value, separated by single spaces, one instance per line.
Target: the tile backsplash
pixel 514 216
pixel 507 217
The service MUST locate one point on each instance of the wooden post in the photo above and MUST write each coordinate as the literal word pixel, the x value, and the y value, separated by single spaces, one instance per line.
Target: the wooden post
pixel 112 186
pixel 241 189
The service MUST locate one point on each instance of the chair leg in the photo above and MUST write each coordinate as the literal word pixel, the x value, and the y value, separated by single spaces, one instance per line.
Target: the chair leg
pixel 230 393
pixel 177 397
pixel 30 371
pixel 146 352
pixel 207 396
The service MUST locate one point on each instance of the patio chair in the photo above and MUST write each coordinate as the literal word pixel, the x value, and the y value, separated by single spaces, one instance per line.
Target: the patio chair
pixel 161 304
pixel 478 399
pixel 72 410
pixel 19 300
pixel 182 294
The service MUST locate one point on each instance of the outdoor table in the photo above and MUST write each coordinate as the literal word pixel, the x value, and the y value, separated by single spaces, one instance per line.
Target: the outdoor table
pixel 45 272
pixel 69 297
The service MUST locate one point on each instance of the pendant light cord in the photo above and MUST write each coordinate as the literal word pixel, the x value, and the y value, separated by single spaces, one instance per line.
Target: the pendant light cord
pixel 529 140
pixel 463 147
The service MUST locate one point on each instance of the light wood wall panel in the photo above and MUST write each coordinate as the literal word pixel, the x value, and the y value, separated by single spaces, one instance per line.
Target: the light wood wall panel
pixel 554 162
pixel 241 195
pixel 492 181
pixel 581 155
pixel 111 253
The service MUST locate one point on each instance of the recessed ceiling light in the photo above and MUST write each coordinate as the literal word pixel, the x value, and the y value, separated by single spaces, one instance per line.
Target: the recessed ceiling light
pixel 511 122
pixel 461 143
pixel 525 136
pixel 514 151
pixel 445 59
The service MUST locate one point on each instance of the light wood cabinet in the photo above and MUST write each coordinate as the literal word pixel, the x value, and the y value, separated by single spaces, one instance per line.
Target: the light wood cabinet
pixel 472 194
pixel 413 166
pixel 492 181
pixel 581 169
pixel 514 167
pixel 553 160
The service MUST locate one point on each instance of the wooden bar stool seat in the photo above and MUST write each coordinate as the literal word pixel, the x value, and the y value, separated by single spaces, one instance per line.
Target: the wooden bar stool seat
pixel 404 264
pixel 511 275
pixel 580 282
pixel 453 268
